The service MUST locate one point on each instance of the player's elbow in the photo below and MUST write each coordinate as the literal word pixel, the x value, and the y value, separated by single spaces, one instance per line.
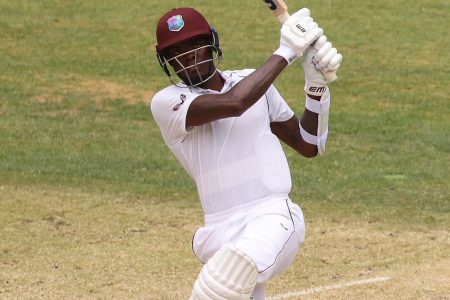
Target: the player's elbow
pixel 309 155
pixel 308 152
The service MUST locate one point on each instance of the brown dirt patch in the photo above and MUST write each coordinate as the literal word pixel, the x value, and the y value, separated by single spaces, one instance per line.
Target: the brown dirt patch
pixel 98 90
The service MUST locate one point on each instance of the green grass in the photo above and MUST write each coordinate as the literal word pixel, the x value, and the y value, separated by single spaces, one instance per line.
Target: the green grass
pixel 77 76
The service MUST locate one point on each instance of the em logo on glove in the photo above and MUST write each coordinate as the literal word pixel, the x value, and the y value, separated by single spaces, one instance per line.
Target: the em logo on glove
pixel 301 28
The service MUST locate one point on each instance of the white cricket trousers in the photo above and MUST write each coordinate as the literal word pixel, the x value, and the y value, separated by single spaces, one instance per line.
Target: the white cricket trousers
pixel 269 230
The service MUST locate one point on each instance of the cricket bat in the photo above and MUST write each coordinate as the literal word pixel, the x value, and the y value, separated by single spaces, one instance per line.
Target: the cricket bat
pixel 280 11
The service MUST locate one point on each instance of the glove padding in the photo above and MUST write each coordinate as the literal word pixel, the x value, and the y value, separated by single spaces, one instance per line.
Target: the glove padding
pixel 326 59
pixel 297 34
pixel 320 60
pixel 315 82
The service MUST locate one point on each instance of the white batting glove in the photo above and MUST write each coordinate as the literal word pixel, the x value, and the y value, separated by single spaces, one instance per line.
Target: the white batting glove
pixel 315 82
pixel 297 34
pixel 326 59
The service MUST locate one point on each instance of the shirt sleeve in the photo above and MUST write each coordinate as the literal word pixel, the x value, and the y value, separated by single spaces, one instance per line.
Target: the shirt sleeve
pixel 169 111
pixel 279 110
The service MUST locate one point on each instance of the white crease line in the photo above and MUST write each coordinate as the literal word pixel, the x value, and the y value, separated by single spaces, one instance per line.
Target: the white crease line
pixel 326 288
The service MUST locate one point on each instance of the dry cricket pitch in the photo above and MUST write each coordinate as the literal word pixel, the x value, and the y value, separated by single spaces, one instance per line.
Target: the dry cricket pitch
pixel 72 245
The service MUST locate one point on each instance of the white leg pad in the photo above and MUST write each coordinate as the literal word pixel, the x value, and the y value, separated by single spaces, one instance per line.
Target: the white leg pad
pixel 229 275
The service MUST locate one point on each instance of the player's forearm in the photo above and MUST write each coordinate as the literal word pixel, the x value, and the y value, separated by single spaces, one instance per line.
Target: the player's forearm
pixel 233 103
pixel 309 120
pixel 289 132
pixel 314 121
pixel 307 136
pixel 252 88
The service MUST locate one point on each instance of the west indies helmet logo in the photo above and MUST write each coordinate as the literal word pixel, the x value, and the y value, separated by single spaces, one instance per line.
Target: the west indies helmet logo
pixel 175 23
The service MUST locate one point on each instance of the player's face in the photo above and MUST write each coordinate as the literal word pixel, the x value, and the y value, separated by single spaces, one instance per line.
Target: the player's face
pixel 192 60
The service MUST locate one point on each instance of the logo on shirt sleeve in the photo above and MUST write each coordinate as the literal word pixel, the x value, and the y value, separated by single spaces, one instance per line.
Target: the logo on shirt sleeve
pixel 178 105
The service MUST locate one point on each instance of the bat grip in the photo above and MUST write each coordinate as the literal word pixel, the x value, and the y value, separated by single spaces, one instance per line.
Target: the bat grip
pixel 330 76
pixel 282 17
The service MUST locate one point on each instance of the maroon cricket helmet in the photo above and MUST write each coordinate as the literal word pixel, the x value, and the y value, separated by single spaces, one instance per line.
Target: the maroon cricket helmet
pixel 179 25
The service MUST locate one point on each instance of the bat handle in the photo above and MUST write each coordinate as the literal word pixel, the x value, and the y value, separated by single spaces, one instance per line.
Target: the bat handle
pixel 282 17
pixel 330 76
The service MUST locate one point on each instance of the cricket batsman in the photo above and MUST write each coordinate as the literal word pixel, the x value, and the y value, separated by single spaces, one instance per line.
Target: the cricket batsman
pixel 225 127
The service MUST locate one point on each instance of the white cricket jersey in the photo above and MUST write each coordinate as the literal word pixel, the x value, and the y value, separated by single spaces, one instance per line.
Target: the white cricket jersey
pixel 233 160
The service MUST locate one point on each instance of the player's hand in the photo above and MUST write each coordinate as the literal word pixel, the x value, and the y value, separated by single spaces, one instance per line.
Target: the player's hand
pixel 297 34
pixel 326 59
pixel 315 82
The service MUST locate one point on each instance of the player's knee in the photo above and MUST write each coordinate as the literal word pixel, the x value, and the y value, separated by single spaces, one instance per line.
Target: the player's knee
pixel 229 275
